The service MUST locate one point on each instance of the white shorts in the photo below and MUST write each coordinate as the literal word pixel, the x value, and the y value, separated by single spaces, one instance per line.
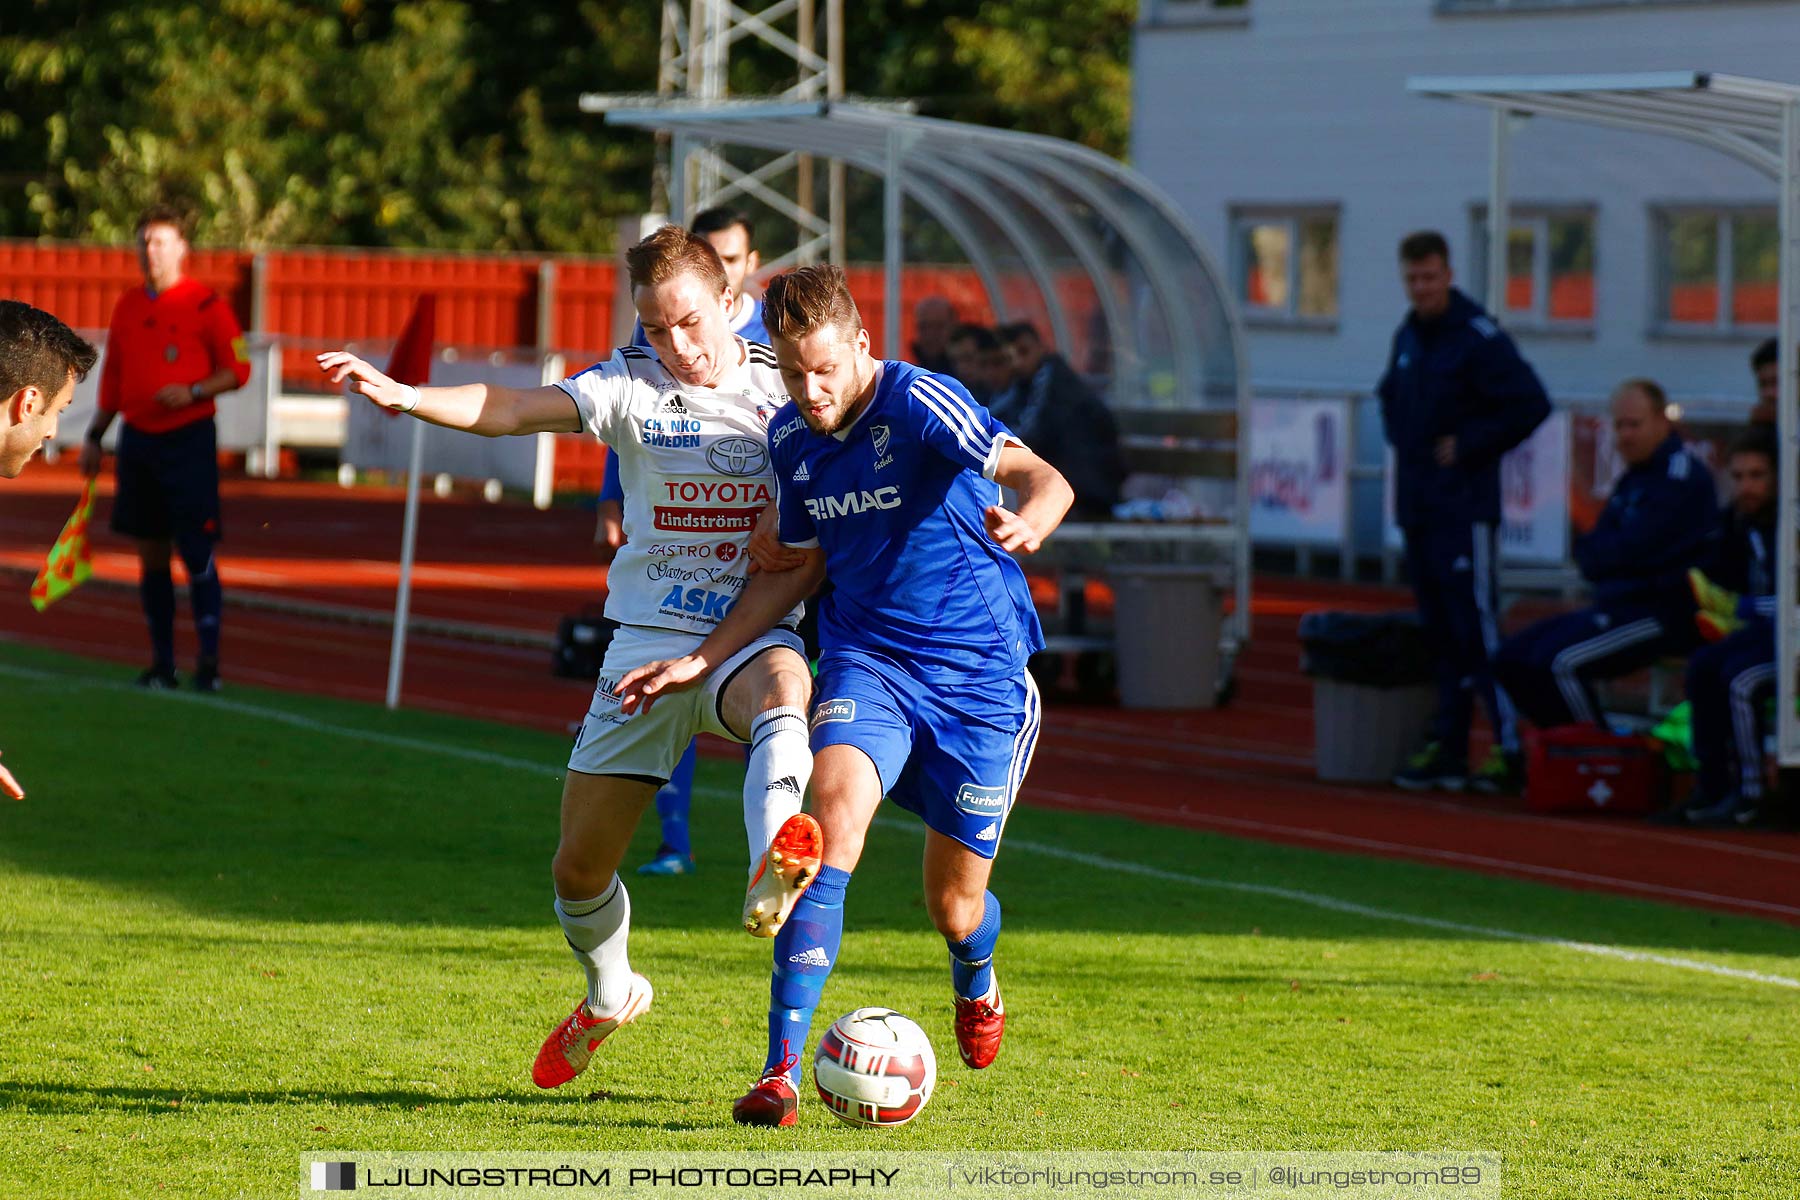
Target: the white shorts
pixel 650 744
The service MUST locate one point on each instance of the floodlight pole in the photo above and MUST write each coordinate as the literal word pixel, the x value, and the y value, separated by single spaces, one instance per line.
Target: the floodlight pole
pixel 697 37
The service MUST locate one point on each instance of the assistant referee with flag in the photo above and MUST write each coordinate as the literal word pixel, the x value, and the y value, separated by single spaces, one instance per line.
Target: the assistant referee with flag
pixel 173 346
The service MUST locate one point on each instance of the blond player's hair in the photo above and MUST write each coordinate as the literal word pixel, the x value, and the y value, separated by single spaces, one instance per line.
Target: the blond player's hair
pixel 672 251
pixel 800 301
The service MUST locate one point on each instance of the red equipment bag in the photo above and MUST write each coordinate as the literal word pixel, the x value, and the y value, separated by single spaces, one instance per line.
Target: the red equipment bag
pixel 1581 768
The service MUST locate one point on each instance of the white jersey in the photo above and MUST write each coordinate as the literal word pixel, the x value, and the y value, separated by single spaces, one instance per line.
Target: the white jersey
pixel 694 462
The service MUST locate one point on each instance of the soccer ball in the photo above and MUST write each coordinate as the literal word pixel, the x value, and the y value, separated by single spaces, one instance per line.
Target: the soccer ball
pixel 874 1067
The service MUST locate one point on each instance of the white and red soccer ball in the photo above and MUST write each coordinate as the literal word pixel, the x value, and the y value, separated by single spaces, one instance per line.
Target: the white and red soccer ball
pixel 874 1067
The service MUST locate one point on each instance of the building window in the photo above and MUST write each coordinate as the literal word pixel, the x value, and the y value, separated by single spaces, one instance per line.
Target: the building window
pixel 1194 12
pixel 1719 269
pixel 1549 266
pixel 1287 264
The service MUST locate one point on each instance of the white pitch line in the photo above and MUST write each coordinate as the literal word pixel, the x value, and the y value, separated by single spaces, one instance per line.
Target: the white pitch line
pixel 1123 866
pixel 444 749
pixel 1332 903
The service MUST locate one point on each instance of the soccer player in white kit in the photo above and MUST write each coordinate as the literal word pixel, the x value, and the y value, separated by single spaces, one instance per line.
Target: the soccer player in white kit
pixel 689 425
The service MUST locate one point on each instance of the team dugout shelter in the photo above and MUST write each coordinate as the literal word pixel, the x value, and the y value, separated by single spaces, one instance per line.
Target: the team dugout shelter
pixel 1755 121
pixel 1089 251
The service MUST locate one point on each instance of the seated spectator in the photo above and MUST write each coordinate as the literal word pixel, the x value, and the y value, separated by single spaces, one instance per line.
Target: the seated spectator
pixel 1730 679
pixel 1765 366
pixel 968 344
pixel 1661 519
pixel 1006 390
pixel 933 319
pixel 1068 426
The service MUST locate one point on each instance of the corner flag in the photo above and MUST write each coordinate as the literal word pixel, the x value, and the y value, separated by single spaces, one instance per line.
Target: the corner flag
pixel 411 360
pixel 70 561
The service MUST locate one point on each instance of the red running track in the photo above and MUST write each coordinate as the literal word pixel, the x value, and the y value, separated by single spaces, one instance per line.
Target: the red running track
pixel 1244 771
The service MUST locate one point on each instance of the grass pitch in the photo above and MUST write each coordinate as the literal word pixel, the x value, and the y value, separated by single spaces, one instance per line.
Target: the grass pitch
pixel 236 929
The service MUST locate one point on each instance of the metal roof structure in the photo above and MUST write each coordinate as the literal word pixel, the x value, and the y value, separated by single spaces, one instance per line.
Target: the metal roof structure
pixel 1755 121
pixel 1037 217
pixel 1017 204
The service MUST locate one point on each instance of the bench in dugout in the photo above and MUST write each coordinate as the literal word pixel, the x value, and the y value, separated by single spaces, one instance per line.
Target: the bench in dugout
pixel 1636 701
pixel 1163 450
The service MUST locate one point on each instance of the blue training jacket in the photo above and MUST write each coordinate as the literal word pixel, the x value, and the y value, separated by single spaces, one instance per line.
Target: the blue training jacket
pixel 1457 375
pixel 1661 519
pixel 1744 560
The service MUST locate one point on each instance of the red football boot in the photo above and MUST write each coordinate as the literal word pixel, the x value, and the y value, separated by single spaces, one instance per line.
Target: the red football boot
pixel 979 1026
pixel 571 1045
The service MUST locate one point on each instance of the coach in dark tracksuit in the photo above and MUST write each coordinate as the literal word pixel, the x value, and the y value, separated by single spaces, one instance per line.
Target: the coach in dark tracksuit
pixel 1731 678
pixel 1456 396
pixel 1661 519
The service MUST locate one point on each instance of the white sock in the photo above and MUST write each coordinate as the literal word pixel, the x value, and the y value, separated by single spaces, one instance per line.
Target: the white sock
pixel 597 930
pixel 776 777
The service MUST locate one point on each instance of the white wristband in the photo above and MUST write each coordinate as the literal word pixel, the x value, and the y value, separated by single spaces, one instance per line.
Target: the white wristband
pixel 412 394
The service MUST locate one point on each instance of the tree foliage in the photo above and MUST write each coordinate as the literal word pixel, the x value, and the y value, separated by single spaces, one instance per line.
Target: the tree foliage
pixel 450 123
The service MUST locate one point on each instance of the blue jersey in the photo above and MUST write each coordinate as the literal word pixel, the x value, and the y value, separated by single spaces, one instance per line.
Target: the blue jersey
pixel 897 502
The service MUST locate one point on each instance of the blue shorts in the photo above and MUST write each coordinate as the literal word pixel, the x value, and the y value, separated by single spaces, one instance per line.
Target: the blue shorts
pixel 168 483
pixel 955 754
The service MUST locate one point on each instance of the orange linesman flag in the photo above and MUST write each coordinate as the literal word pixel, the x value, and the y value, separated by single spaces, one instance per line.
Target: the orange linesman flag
pixel 71 559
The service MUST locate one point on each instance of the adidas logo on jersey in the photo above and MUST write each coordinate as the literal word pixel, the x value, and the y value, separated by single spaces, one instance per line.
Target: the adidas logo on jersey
pixel 787 783
pixel 991 833
pixel 815 957
pixel 802 475
pixel 672 403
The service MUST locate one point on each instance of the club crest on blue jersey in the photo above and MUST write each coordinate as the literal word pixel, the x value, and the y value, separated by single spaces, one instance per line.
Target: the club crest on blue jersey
pixel 879 435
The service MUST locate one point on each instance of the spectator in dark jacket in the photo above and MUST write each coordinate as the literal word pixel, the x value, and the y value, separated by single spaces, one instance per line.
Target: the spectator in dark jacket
pixel 933 319
pixel 969 344
pixel 1661 519
pixel 1062 420
pixel 1731 677
pixel 1455 397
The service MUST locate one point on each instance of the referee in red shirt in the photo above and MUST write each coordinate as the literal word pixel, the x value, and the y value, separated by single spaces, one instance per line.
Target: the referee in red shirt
pixel 173 346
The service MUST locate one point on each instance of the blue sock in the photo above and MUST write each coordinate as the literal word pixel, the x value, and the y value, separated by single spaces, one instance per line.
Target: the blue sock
pixel 156 590
pixel 672 802
pixel 805 951
pixel 204 591
pixel 972 959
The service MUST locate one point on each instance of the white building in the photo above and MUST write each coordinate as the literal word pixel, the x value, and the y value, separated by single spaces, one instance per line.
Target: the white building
pixel 1284 130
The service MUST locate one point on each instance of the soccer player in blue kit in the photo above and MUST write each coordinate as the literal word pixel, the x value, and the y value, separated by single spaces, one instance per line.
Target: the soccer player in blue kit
pixel 888 481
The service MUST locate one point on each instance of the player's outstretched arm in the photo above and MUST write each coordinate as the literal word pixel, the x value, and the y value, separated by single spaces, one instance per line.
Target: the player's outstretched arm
pixel 1044 498
pixel 10 786
pixel 768 597
pixel 484 408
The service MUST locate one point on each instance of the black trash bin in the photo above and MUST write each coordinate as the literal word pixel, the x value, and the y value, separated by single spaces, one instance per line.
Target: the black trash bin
pixel 1373 692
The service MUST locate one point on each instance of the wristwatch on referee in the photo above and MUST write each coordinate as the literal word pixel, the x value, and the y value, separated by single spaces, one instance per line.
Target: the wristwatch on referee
pixel 195 394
